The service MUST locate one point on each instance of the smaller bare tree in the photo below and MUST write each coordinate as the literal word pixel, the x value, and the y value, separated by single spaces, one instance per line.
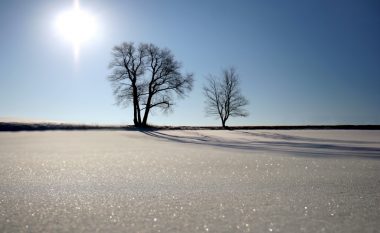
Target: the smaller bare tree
pixel 223 96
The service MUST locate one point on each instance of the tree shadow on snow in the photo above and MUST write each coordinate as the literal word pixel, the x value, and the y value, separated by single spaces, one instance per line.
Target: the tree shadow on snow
pixel 289 145
pixel 280 136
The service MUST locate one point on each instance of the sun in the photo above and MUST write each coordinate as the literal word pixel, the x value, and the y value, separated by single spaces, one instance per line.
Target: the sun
pixel 76 26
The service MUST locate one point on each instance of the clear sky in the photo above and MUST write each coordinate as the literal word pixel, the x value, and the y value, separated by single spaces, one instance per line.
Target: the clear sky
pixel 300 62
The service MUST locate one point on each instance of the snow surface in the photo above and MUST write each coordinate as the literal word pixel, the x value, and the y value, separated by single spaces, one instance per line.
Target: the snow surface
pixel 190 181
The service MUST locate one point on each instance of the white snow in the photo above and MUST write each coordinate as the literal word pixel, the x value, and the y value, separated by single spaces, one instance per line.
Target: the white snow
pixel 190 180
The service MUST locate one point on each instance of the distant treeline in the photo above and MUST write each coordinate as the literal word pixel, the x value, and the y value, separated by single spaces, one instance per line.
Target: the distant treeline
pixel 14 126
pixel 5 126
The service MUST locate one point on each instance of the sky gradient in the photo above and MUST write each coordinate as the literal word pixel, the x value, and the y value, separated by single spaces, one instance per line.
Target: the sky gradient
pixel 300 62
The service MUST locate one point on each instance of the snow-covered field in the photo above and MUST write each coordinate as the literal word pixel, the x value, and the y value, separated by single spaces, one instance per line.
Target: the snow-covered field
pixel 190 181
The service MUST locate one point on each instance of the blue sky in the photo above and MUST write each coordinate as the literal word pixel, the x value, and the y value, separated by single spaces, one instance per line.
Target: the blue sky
pixel 300 62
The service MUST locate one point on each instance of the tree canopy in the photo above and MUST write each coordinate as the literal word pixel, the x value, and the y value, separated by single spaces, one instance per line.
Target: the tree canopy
pixel 148 77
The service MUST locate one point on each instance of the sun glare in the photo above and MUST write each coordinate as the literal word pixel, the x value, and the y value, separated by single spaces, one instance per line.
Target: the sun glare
pixel 76 25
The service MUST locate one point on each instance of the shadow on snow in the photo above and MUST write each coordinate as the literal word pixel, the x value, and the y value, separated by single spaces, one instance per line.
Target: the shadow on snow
pixel 290 145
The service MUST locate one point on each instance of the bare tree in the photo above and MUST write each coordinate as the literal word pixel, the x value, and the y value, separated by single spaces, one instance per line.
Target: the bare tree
pixel 127 68
pixel 147 76
pixel 223 96
pixel 165 80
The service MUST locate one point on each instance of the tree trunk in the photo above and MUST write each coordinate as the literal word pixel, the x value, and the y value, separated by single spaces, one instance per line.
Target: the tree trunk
pixel 145 119
pixel 136 107
pixel 147 109
pixel 223 122
pixel 135 119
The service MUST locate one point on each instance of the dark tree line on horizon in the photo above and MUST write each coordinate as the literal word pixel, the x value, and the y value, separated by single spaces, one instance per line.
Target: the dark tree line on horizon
pixel 150 77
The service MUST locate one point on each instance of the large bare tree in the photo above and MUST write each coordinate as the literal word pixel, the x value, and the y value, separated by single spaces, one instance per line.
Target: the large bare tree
pixel 127 68
pixel 147 76
pixel 223 96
